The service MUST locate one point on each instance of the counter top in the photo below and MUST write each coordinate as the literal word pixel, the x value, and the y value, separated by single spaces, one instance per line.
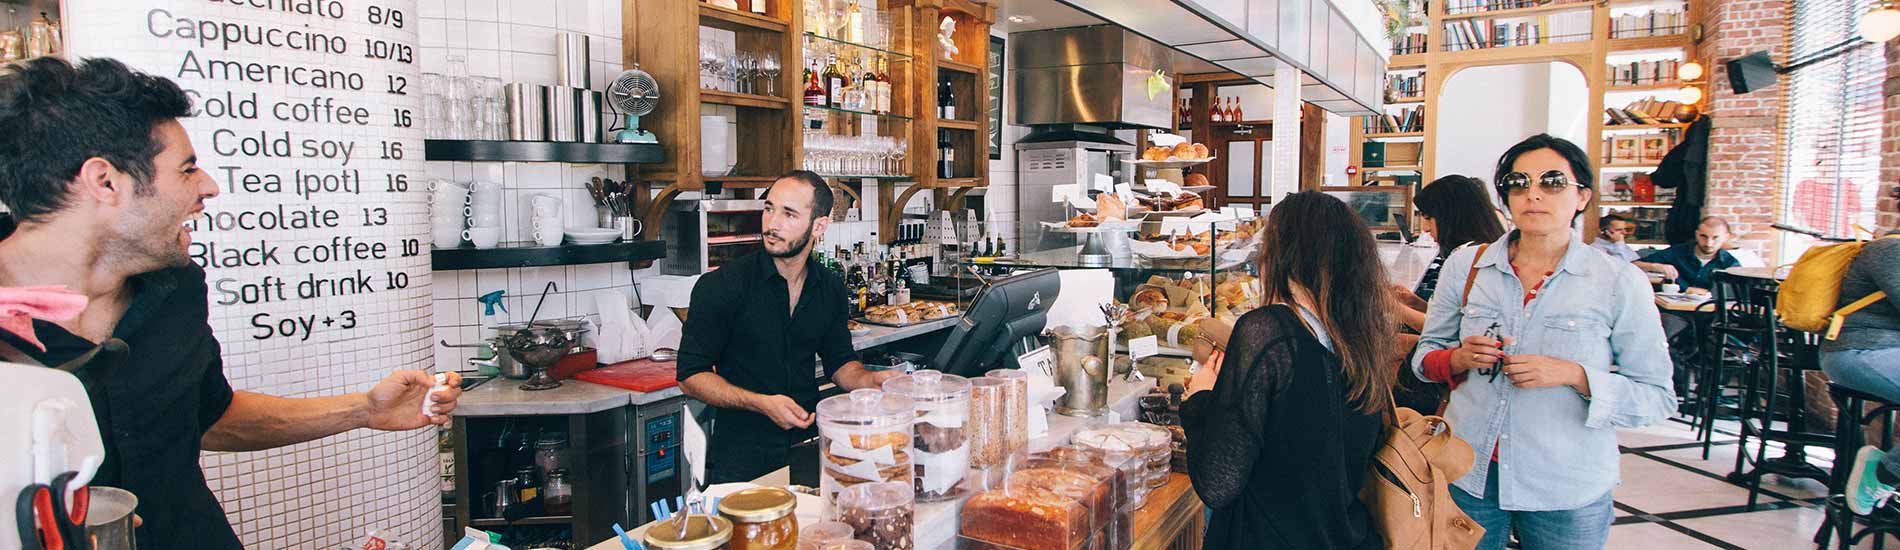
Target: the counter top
pixel 936 522
pixel 504 397
pixel 877 335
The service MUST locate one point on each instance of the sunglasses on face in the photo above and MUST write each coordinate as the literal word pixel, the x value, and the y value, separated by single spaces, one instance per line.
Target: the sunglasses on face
pixel 1551 182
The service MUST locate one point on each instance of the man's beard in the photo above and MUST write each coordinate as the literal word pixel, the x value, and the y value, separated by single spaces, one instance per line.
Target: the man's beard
pixel 796 246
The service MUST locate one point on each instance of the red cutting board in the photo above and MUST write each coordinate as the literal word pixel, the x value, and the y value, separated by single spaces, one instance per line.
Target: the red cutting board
pixel 641 375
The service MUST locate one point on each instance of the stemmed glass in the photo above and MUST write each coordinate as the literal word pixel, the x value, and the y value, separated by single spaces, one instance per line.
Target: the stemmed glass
pixel 708 65
pixel 772 69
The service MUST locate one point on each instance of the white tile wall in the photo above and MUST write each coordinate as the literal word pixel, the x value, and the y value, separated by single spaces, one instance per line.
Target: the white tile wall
pixel 514 40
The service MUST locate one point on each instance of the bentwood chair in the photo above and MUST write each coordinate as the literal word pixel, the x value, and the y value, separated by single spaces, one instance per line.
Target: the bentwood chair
pixel 1774 398
pixel 1848 439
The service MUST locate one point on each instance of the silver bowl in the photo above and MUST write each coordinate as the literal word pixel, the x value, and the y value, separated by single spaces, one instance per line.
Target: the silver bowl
pixel 540 348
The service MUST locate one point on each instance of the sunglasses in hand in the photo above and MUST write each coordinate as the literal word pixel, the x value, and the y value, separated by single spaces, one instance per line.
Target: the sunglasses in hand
pixel 1498 367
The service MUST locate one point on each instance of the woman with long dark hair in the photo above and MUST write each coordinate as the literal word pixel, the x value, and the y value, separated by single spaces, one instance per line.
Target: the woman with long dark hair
pixel 1456 211
pixel 1554 346
pixel 1280 435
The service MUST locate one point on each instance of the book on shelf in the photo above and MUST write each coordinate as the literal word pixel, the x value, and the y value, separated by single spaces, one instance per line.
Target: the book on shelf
pixel 1462 7
pixel 1657 22
pixel 1402 86
pixel 1411 43
pixel 1653 147
pixel 1478 33
pixel 1649 110
pixel 1643 72
pixel 1407 119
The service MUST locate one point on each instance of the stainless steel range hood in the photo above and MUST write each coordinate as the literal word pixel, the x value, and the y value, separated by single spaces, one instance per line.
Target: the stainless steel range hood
pixel 1100 75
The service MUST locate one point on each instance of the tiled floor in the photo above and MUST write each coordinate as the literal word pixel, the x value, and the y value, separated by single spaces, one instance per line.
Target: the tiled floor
pixel 1672 498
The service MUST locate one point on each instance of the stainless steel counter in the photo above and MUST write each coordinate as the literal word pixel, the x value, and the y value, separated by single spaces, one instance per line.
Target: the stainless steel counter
pixel 879 335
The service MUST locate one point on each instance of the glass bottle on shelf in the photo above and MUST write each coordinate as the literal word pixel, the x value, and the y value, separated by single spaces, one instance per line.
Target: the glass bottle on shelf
pixel 1213 109
pixel 873 89
pixel 834 81
pixel 557 495
pixel 1240 115
pixel 884 85
pixel 946 155
pixel 854 23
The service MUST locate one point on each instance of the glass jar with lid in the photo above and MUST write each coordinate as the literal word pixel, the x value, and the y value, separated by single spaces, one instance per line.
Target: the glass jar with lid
pixel 703 532
pixel 938 435
pixel 864 437
pixel 761 519
pixel 557 496
pixel 550 453
pixel 821 535
pixel 882 514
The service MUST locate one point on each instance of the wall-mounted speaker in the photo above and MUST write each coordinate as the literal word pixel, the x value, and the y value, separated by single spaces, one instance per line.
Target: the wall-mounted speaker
pixel 1751 72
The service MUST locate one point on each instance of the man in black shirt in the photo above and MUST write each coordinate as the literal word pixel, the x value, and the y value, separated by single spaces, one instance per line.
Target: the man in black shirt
pixel 1693 265
pixel 753 328
pixel 100 179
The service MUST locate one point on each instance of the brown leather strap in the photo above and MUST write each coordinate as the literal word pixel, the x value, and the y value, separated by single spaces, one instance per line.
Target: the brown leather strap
pixel 1472 277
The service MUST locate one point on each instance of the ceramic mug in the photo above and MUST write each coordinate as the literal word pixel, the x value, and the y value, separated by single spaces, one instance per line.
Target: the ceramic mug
pixel 1671 288
pixel 483 236
pixel 547 230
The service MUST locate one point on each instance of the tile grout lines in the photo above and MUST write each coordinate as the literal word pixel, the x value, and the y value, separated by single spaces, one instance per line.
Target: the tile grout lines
pixel 1777 501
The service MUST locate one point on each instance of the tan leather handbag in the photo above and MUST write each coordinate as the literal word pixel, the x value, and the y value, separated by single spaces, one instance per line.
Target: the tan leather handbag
pixel 1409 490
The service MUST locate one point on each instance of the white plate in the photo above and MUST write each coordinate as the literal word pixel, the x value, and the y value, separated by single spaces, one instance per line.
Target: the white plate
pixel 591 233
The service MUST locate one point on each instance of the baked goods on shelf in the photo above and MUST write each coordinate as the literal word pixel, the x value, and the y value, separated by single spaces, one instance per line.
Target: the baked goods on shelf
pixel 1084 220
pixel 1170 202
pixel 911 313
pixel 1195 179
pixel 1110 207
pixel 1030 516
pixel 1180 151
pixel 853 326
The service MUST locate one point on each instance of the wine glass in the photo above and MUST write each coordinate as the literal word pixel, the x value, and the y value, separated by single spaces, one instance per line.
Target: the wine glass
pixel 708 61
pixel 772 69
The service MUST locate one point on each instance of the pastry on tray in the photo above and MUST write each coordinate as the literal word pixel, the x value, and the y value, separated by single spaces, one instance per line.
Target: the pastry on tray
pixel 1084 220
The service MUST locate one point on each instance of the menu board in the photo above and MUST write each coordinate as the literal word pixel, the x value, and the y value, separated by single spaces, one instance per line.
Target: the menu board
pixel 307 113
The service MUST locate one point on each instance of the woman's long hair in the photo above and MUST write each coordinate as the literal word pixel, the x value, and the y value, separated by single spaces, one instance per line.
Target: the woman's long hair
pixel 1462 207
pixel 1317 242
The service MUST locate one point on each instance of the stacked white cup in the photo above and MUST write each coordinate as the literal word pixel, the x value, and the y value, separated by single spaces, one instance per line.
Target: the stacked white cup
pixel 448 203
pixel 547 223
pixel 484 215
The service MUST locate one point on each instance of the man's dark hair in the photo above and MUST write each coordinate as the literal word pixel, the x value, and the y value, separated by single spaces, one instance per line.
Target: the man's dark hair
pixel 1462 210
pixel 821 199
pixel 1716 221
pixel 57 115
pixel 1605 221
pixel 1578 160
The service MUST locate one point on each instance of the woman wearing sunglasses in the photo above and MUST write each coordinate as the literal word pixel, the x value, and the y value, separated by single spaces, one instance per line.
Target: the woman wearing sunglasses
pixel 1549 346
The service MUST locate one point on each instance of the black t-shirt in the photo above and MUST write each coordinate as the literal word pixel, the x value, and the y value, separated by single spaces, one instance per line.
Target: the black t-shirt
pixel 742 327
pixel 154 410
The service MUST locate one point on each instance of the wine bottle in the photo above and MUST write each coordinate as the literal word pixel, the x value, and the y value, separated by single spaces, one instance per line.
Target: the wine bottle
pixel 947 102
pixel 1215 112
pixel 1240 115
pixel 834 81
pixel 872 89
pixel 883 86
pixel 946 156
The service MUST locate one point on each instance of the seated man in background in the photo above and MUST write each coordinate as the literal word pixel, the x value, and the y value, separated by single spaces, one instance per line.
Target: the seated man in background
pixel 1693 265
pixel 1616 229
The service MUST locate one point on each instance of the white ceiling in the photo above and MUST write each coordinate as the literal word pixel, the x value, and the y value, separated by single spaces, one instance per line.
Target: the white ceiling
pixel 1037 15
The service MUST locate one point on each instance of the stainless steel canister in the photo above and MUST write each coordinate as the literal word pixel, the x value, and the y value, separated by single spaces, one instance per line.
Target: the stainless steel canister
pixel 109 518
pixel 561 104
pixel 510 368
pixel 570 60
pixel 527 112
pixel 587 115
pixel 1081 368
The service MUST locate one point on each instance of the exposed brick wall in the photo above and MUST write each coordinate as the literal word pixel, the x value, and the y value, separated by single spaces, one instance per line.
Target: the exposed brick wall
pixel 1744 182
pixel 1890 142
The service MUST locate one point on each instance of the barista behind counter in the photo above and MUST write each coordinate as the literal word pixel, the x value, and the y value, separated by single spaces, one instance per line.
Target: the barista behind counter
pixel 752 330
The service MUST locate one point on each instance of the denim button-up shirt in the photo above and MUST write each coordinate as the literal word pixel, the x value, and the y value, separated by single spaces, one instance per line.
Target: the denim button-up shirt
pixel 1556 449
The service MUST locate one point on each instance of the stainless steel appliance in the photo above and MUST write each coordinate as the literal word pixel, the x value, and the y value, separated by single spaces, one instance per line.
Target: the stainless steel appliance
pixel 1100 75
pixel 703 233
pixel 1087 164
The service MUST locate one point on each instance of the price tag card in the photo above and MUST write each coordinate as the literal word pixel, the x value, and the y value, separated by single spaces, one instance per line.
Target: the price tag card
pixel 1062 193
pixel 1042 360
pixel 1144 347
pixel 1103 182
pixel 1163 186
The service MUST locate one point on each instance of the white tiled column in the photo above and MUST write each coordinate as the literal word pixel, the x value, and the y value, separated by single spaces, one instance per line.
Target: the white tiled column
pixel 1286 131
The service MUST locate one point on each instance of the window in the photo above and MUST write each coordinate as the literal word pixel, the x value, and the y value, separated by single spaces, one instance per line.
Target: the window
pixel 1831 160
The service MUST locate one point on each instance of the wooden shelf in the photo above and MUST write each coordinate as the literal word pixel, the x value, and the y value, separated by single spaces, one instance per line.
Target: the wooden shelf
pixel 970 125
pixel 743 100
pixel 1242 123
pixel 897 56
pixel 1405 61
pixel 542 151
pixel 1660 126
pixel 734 239
pixel 1406 100
pixel 1667 41
pixel 1506 54
pixel 735 20
pixel 1394 168
pixel 951 65
pixel 960 182
pixel 528 254
pixel 741 182
pixel 1397 135
pixel 1646 87
pixel 1517 12
pixel 852 112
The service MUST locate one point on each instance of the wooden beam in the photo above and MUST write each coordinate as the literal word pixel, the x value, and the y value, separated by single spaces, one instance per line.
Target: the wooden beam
pixel 1312 146
pixel 1217 78
pixel 890 212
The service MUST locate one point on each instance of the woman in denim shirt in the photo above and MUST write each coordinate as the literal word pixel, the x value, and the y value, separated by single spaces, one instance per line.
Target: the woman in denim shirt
pixel 1556 347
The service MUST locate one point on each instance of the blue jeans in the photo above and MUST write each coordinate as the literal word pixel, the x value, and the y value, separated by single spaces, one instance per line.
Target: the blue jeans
pixel 1875 371
pixel 1586 528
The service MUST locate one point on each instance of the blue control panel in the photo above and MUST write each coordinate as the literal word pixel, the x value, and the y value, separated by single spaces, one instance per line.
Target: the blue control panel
pixel 663 445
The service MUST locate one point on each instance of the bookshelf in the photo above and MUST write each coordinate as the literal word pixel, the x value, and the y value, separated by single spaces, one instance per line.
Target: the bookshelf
pixel 1590 35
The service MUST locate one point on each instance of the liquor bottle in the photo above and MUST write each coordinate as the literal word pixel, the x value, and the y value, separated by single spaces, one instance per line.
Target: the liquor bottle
pixel 814 92
pixel 1240 115
pixel 883 86
pixel 1002 248
pixel 873 89
pixel 946 101
pixel 946 156
pixel 834 81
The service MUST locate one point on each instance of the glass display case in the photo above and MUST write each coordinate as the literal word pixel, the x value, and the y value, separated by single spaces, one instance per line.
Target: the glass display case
pixel 1169 273
pixel 1385 208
